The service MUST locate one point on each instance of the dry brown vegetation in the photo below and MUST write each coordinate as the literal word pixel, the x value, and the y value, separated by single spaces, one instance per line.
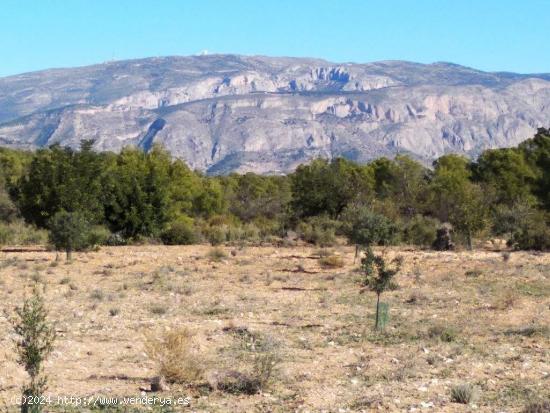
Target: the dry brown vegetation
pixel 276 329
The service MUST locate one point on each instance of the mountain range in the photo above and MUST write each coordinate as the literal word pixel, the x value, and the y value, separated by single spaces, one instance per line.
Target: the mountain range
pixel 232 113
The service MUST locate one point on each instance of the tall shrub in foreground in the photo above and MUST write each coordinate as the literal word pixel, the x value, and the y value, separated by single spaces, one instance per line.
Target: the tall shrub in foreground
pixel 34 343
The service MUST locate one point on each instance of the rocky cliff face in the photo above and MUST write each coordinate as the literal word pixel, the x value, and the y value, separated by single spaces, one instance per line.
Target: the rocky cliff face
pixel 223 113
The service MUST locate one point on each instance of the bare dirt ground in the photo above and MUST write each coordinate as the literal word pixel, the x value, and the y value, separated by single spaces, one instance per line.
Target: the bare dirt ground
pixel 455 318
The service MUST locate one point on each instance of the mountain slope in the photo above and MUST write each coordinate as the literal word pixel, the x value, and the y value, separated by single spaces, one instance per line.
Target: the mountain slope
pixel 224 113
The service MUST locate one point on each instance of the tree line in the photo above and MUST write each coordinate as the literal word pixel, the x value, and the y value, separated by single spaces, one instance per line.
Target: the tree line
pixel 137 196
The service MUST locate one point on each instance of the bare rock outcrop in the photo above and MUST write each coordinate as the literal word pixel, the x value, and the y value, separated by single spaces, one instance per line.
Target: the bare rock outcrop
pixel 224 113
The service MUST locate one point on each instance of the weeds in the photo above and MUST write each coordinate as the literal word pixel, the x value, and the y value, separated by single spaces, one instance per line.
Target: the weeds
pixel 445 334
pixel 158 309
pixel 174 356
pixel 530 331
pixel 537 407
pixel 463 393
pixel 332 261
pixel 97 294
pixel 216 254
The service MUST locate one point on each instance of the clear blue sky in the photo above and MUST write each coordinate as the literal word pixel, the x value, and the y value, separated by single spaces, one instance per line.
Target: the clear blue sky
pixel 485 34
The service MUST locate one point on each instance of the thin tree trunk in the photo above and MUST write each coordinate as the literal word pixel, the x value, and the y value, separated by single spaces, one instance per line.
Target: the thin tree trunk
pixel 469 237
pixel 356 252
pixel 69 255
pixel 376 323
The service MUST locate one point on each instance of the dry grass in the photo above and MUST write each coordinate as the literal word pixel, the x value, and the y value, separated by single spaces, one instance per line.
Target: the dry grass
pixel 289 333
pixel 216 254
pixel 332 261
pixel 173 353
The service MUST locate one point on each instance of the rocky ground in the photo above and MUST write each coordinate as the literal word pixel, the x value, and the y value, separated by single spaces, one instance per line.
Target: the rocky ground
pixel 479 318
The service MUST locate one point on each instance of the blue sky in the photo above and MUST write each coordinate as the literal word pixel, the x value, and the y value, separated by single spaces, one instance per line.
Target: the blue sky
pixel 486 34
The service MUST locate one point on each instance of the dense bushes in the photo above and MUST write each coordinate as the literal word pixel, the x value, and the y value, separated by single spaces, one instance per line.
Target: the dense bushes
pixel 532 233
pixel 135 196
pixel 420 230
pixel 180 232
pixel 319 230
pixel 362 226
pixel 19 233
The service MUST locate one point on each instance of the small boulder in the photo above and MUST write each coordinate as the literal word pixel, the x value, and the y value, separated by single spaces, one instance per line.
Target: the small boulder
pixel 158 384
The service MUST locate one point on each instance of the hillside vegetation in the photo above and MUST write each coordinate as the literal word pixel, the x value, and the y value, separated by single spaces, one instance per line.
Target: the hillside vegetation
pixel 136 197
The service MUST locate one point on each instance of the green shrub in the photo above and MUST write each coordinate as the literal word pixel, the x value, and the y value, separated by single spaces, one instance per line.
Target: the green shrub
pixel 533 233
pixel 18 233
pixel 98 235
pixel 263 228
pixel 364 227
pixel 8 210
pixel 319 230
pixel 5 234
pixel 421 231
pixel 253 233
pixel 180 232
pixel 69 231
pixel 234 233
pixel 34 343
pixel 216 235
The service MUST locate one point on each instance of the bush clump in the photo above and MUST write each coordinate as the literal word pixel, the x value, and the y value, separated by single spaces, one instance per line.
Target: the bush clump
pixel 180 232
pixel 319 230
pixel 216 254
pixel 18 233
pixel 332 261
pixel 216 235
pixel 69 231
pixel 365 227
pixel 533 233
pixel 463 393
pixel 421 231
pixel 235 382
pixel 174 355
pixel 98 235
pixel 445 334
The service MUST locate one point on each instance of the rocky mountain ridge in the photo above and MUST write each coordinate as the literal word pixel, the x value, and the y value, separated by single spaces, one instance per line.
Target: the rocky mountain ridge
pixel 224 113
